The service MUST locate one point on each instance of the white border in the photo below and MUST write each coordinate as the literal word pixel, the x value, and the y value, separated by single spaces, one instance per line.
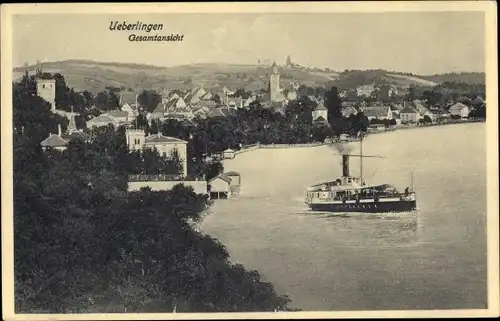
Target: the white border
pixel 489 7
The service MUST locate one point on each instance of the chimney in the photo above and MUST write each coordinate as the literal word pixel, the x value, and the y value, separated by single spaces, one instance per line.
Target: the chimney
pixel 345 165
pixel 59 130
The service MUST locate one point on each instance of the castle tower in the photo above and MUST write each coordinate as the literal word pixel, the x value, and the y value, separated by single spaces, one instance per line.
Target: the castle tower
pixel 46 89
pixel 38 72
pixel 135 138
pixel 274 83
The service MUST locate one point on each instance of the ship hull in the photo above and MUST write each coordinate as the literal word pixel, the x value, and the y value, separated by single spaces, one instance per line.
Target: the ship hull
pixel 375 207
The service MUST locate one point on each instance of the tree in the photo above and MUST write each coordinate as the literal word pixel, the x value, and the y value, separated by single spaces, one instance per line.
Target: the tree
pixel 149 100
pixel 216 98
pixel 334 104
pixel 107 100
pixel 82 241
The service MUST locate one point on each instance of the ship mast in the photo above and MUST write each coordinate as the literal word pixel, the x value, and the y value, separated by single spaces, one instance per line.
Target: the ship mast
pixel 361 159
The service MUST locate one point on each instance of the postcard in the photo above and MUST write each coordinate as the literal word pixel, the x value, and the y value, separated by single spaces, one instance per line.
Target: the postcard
pixel 249 160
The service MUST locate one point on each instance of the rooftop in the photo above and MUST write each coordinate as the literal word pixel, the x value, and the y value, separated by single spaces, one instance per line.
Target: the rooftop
pixel 320 107
pixel 160 139
pixel 53 141
pixel 409 110
pixel 376 111
pixel 224 177
pixel 102 118
pixel 117 113
pixel 128 98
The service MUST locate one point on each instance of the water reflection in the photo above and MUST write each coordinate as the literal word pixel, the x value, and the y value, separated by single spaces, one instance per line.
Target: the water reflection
pixel 369 228
pixel 432 259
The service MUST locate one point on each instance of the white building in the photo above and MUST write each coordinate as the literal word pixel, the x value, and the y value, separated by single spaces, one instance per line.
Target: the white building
pixel 320 113
pixel 459 109
pixel 136 140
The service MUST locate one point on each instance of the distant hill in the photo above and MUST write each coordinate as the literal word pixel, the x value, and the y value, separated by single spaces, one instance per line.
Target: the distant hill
pixel 466 77
pixel 95 76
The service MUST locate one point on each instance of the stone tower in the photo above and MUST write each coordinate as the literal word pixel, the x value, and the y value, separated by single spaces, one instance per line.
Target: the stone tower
pixel 46 89
pixel 135 139
pixel 274 83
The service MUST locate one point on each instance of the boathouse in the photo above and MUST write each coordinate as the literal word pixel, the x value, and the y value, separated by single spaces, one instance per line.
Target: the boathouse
pixel 229 154
pixel 235 183
pixel 219 187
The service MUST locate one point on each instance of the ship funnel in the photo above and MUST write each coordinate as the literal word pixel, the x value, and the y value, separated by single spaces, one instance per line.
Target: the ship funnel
pixel 345 165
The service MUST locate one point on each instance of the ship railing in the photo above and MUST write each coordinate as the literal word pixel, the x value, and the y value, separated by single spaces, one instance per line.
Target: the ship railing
pixel 372 196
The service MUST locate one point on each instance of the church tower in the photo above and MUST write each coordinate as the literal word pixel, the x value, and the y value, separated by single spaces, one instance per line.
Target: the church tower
pixel 274 83
pixel 135 139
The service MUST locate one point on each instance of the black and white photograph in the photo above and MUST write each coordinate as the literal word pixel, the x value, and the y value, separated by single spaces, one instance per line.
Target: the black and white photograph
pixel 249 160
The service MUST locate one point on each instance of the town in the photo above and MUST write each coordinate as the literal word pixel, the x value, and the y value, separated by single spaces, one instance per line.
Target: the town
pixel 173 121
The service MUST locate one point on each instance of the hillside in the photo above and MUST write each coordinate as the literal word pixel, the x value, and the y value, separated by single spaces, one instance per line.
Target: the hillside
pixel 95 76
pixel 466 77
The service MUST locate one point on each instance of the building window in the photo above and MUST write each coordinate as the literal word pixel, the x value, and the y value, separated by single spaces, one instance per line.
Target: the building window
pixel 43 86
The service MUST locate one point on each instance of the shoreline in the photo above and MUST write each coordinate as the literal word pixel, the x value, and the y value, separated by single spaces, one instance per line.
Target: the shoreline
pixel 405 127
pixel 317 144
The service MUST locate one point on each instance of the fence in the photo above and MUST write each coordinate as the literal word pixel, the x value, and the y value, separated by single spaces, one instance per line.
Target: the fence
pixel 247 149
pixel 162 178
pixel 291 145
pixel 199 187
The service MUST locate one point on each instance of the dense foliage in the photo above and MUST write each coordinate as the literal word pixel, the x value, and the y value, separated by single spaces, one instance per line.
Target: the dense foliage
pixel 83 243
pixel 148 100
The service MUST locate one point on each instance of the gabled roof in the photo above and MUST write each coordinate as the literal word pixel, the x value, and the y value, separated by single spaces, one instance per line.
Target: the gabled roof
pixel 128 98
pixel 409 110
pixel 214 112
pixel 320 119
pixel 223 177
pixel 228 111
pixel 117 113
pixel 175 103
pixel 419 105
pixel 174 96
pixel 320 107
pixel 199 92
pixel 207 103
pixel 160 139
pixel 396 107
pixel 74 135
pixel 376 111
pixel 458 106
pixel 102 119
pixel 54 141
pixel 438 111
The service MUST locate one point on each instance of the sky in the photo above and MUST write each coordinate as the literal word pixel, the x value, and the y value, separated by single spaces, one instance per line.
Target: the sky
pixel 418 42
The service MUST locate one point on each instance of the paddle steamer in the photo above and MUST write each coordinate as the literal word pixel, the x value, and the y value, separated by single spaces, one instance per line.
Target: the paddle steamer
pixel 353 194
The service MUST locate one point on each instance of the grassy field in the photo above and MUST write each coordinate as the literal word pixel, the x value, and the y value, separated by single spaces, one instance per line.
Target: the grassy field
pixel 95 76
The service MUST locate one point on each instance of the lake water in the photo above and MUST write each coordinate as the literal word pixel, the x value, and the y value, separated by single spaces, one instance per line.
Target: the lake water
pixel 435 259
